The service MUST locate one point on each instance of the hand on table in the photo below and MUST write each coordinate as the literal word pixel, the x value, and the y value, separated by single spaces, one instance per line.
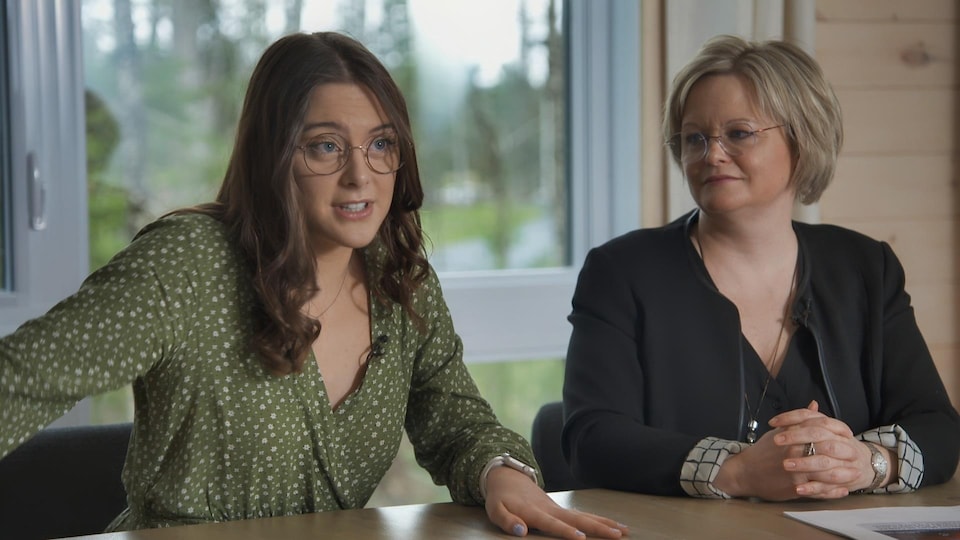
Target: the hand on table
pixel 777 468
pixel 516 505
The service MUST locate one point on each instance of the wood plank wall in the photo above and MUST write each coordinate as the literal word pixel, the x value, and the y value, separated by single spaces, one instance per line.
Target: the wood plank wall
pixel 893 64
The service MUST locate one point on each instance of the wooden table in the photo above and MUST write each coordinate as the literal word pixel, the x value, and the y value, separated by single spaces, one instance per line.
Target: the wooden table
pixel 648 517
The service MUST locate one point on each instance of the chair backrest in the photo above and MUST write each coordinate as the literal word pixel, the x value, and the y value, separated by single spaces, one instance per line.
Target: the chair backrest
pixel 64 482
pixel 545 439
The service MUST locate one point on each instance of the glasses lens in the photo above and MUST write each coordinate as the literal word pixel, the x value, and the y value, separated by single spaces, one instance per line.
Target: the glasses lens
pixel 693 146
pixel 734 140
pixel 383 153
pixel 328 153
pixel 738 139
pixel 323 154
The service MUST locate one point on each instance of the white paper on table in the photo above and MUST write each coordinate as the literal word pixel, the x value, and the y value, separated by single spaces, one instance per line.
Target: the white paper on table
pixel 900 522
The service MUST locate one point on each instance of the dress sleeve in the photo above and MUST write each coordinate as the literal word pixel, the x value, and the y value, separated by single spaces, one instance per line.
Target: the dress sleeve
pixel 113 329
pixel 606 438
pixel 453 430
pixel 910 393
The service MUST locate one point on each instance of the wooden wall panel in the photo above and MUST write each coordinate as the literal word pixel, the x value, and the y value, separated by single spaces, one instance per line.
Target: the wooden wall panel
pixel 886 10
pixel 888 54
pixel 893 66
pixel 939 298
pixel 924 247
pixel 895 187
pixel 898 121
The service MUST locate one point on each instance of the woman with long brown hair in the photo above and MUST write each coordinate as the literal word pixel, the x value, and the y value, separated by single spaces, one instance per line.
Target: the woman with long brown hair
pixel 281 338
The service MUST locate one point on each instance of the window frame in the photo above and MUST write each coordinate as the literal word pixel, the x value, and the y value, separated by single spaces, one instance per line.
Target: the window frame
pixel 47 154
pixel 513 315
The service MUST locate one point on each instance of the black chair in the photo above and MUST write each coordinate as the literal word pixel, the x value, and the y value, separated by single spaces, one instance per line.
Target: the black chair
pixel 545 439
pixel 64 482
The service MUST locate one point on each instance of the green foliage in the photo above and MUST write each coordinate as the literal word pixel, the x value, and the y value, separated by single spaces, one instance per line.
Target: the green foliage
pixel 112 407
pixel 452 224
pixel 108 216
pixel 107 204
pixel 516 390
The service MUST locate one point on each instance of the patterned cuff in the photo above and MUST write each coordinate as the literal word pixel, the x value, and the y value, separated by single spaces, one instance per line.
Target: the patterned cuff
pixel 909 457
pixel 702 465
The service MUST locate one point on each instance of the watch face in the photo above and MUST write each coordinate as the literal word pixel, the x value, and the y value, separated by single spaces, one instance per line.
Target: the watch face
pixel 879 463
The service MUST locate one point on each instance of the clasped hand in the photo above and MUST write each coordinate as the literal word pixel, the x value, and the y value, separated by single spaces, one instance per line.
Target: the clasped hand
pixel 777 467
pixel 516 505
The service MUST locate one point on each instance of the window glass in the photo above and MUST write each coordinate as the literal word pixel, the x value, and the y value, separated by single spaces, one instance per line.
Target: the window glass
pixel 487 113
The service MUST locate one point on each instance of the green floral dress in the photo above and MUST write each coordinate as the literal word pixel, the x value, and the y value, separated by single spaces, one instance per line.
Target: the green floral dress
pixel 215 436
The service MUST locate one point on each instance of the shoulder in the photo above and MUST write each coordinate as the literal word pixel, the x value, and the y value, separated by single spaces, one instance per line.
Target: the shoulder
pixel 647 238
pixel 839 242
pixel 184 240
pixel 184 226
pixel 429 295
pixel 637 248
pixel 839 257
pixel 426 298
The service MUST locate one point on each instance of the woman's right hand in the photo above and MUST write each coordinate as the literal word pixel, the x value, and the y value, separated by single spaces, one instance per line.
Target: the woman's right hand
pixel 759 470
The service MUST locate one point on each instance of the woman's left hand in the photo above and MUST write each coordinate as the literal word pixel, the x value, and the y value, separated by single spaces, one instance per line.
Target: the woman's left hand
pixel 517 505
pixel 840 463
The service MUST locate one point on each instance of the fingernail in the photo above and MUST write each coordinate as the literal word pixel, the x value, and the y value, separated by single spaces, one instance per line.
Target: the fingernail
pixel 518 529
pixel 801 490
pixel 621 525
pixel 580 533
pixel 789 464
pixel 780 439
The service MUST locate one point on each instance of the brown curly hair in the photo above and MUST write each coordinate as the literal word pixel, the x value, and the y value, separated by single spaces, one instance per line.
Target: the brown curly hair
pixel 258 204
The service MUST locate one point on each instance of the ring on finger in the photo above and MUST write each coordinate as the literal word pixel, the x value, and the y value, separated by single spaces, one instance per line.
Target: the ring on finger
pixel 809 449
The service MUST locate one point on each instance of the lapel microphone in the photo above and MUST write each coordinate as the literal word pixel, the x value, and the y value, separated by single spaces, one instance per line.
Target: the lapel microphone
pixel 378 346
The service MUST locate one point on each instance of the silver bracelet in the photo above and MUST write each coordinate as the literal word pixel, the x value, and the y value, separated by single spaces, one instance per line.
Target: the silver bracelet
pixel 505 460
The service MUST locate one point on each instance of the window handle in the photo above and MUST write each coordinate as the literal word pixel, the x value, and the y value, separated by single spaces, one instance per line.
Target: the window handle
pixel 37 194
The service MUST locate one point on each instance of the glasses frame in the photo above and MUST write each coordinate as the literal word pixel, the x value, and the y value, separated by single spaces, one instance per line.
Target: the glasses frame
pixel 677 137
pixel 345 153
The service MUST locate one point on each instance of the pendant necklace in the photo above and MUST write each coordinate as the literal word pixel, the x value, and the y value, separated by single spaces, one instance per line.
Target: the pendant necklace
pixel 753 424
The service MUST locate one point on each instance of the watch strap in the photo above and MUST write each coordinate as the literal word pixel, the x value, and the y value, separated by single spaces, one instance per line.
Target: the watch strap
pixel 878 461
pixel 505 460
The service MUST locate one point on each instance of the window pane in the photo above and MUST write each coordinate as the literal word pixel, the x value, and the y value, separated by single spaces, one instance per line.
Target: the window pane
pixel 488 113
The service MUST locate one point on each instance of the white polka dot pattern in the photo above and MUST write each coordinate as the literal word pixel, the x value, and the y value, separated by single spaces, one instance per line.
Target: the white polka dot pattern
pixel 216 437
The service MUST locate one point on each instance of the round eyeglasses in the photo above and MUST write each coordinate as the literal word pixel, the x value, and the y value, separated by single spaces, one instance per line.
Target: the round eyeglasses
pixel 327 153
pixel 734 140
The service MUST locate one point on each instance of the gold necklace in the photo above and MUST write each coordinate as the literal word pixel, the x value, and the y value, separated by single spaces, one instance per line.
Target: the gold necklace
pixel 753 424
pixel 334 301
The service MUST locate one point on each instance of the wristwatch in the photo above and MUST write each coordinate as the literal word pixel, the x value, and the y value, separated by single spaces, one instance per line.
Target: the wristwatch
pixel 879 463
pixel 505 460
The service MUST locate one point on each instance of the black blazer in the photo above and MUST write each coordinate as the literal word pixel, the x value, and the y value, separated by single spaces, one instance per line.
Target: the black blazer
pixel 656 360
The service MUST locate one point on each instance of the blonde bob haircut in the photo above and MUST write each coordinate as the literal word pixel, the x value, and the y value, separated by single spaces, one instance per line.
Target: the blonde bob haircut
pixel 788 86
